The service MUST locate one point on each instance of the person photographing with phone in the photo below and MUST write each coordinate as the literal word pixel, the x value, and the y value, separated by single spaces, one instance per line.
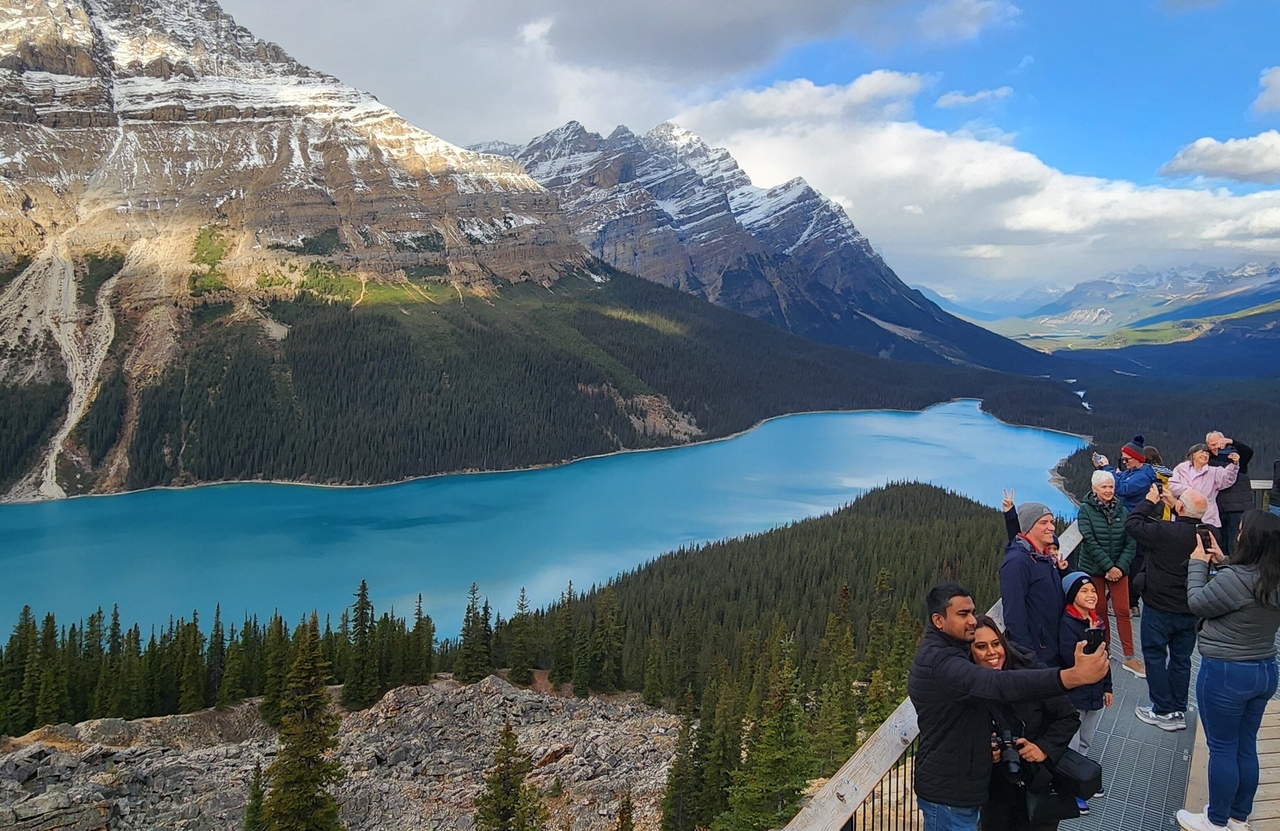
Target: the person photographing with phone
pixel 953 695
pixel 1081 622
pixel 1168 629
pixel 1240 609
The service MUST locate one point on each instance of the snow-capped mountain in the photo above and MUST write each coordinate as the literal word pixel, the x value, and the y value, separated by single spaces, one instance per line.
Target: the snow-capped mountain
pixel 134 124
pixel 1141 297
pixel 670 208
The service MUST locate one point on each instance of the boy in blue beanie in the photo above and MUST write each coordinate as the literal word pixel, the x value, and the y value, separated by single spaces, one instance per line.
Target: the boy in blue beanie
pixel 1079 616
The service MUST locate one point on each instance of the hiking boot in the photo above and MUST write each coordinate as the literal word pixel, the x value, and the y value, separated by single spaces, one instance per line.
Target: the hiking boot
pixel 1135 666
pixel 1166 723
pixel 1083 806
pixel 1197 822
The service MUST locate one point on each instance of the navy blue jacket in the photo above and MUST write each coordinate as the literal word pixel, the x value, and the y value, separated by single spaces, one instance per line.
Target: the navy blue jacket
pixel 1088 697
pixel 1132 485
pixel 1031 587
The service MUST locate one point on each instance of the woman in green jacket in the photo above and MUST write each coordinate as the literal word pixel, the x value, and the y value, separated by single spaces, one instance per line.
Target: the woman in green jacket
pixel 1106 554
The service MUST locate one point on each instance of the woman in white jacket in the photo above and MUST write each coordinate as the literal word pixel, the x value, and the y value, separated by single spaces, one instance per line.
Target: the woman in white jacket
pixel 1197 474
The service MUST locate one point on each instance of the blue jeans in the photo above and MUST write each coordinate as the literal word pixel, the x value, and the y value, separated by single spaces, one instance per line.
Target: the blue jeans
pixel 1167 641
pixel 1232 696
pixel 947 818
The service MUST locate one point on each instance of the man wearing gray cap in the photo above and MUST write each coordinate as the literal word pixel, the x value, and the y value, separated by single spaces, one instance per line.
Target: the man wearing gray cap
pixel 1031 585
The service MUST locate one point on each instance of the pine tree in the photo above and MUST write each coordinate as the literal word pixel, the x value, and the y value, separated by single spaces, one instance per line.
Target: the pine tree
pixel 626 812
pixel 474 662
pixel 563 640
pixel 607 636
pixel 51 699
pixel 766 789
pixel 191 689
pixel 254 820
pixel 508 802
pixel 582 662
pixel 724 750
pixel 302 771
pixel 652 694
pixel 361 683
pixel 231 691
pixel 215 658
pixel 681 797
pixel 275 655
pixel 522 650
pixel 422 647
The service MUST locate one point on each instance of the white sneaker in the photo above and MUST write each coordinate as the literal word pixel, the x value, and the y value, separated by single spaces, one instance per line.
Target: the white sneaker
pixel 1197 822
pixel 1233 824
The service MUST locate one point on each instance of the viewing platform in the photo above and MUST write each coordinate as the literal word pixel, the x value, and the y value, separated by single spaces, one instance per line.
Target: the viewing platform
pixel 1149 774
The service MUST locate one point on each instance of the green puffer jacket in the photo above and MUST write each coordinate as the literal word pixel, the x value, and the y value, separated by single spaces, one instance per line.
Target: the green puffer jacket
pixel 1105 544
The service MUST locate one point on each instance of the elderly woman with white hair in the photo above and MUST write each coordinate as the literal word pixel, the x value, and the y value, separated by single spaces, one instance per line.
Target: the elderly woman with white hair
pixel 1106 555
pixel 1197 474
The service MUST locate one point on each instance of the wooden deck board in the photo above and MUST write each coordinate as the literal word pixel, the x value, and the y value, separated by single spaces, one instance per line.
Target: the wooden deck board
pixel 1266 804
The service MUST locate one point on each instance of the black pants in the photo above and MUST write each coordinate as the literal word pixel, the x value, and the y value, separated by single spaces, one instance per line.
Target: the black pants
pixel 1230 527
pixel 997 816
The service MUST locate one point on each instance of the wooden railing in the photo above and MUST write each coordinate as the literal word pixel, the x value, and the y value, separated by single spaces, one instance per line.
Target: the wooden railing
pixel 873 790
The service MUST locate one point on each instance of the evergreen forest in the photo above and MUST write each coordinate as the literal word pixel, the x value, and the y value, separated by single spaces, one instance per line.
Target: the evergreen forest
pixel 781 650
pixel 410 384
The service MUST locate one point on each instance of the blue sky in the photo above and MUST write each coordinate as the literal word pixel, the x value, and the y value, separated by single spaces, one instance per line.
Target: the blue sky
pixel 1108 89
pixel 1047 169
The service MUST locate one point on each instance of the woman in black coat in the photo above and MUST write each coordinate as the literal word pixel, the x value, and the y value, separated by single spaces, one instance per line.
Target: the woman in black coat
pixel 1044 729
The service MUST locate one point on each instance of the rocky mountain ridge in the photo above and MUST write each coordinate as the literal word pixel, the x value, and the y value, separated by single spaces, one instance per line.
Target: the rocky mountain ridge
pixel 137 127
pixel 415 760
pixel 671 208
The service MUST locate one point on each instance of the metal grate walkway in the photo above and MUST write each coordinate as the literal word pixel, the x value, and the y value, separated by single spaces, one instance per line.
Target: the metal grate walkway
pixel 1145 769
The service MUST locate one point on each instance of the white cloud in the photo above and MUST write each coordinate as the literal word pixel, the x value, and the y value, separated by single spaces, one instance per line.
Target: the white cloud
pixel 880 94
pixel 1268 100
pixel 958 98
pixel 509 69
pixel 952 20
pixel 995 213
pixel 1255 159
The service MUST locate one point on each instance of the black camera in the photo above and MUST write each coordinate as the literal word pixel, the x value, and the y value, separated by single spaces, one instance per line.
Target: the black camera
pixel 1009 757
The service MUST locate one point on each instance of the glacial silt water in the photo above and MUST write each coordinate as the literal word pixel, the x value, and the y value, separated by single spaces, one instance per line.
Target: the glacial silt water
pixel 256 547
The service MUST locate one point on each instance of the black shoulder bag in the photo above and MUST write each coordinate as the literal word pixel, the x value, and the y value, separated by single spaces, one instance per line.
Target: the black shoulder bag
pixel 1040 796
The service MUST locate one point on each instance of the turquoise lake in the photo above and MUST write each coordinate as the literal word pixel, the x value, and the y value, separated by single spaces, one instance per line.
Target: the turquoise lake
pixel 256 547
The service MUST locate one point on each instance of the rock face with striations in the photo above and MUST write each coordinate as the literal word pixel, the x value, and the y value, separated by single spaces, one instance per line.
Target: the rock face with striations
pixel 672 209
pixel 415 760
pixel 138 125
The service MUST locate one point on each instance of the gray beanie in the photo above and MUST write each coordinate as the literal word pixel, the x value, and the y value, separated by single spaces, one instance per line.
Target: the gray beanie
pixel 1029 514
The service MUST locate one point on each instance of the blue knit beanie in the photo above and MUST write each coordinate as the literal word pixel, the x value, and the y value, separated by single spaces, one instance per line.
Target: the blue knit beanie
pixel 1072 583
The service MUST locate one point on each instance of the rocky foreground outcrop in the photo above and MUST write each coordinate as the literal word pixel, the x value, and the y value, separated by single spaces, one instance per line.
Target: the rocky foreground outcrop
pixel 415 760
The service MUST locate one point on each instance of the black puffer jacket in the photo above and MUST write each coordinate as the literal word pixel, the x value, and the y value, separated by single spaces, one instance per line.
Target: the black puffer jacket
pixel 951 695
pixel 1238 497
pixel 1168 546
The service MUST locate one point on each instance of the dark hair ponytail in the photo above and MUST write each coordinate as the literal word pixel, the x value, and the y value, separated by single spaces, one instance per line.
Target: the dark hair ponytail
pixel 1259 546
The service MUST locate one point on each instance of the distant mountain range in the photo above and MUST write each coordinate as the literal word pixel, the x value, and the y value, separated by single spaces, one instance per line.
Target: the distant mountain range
pixel 1183 321
pixel 670 208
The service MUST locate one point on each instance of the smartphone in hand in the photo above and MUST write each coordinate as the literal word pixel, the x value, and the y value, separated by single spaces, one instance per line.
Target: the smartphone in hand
pixel 1093 639
pixel 1206 536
